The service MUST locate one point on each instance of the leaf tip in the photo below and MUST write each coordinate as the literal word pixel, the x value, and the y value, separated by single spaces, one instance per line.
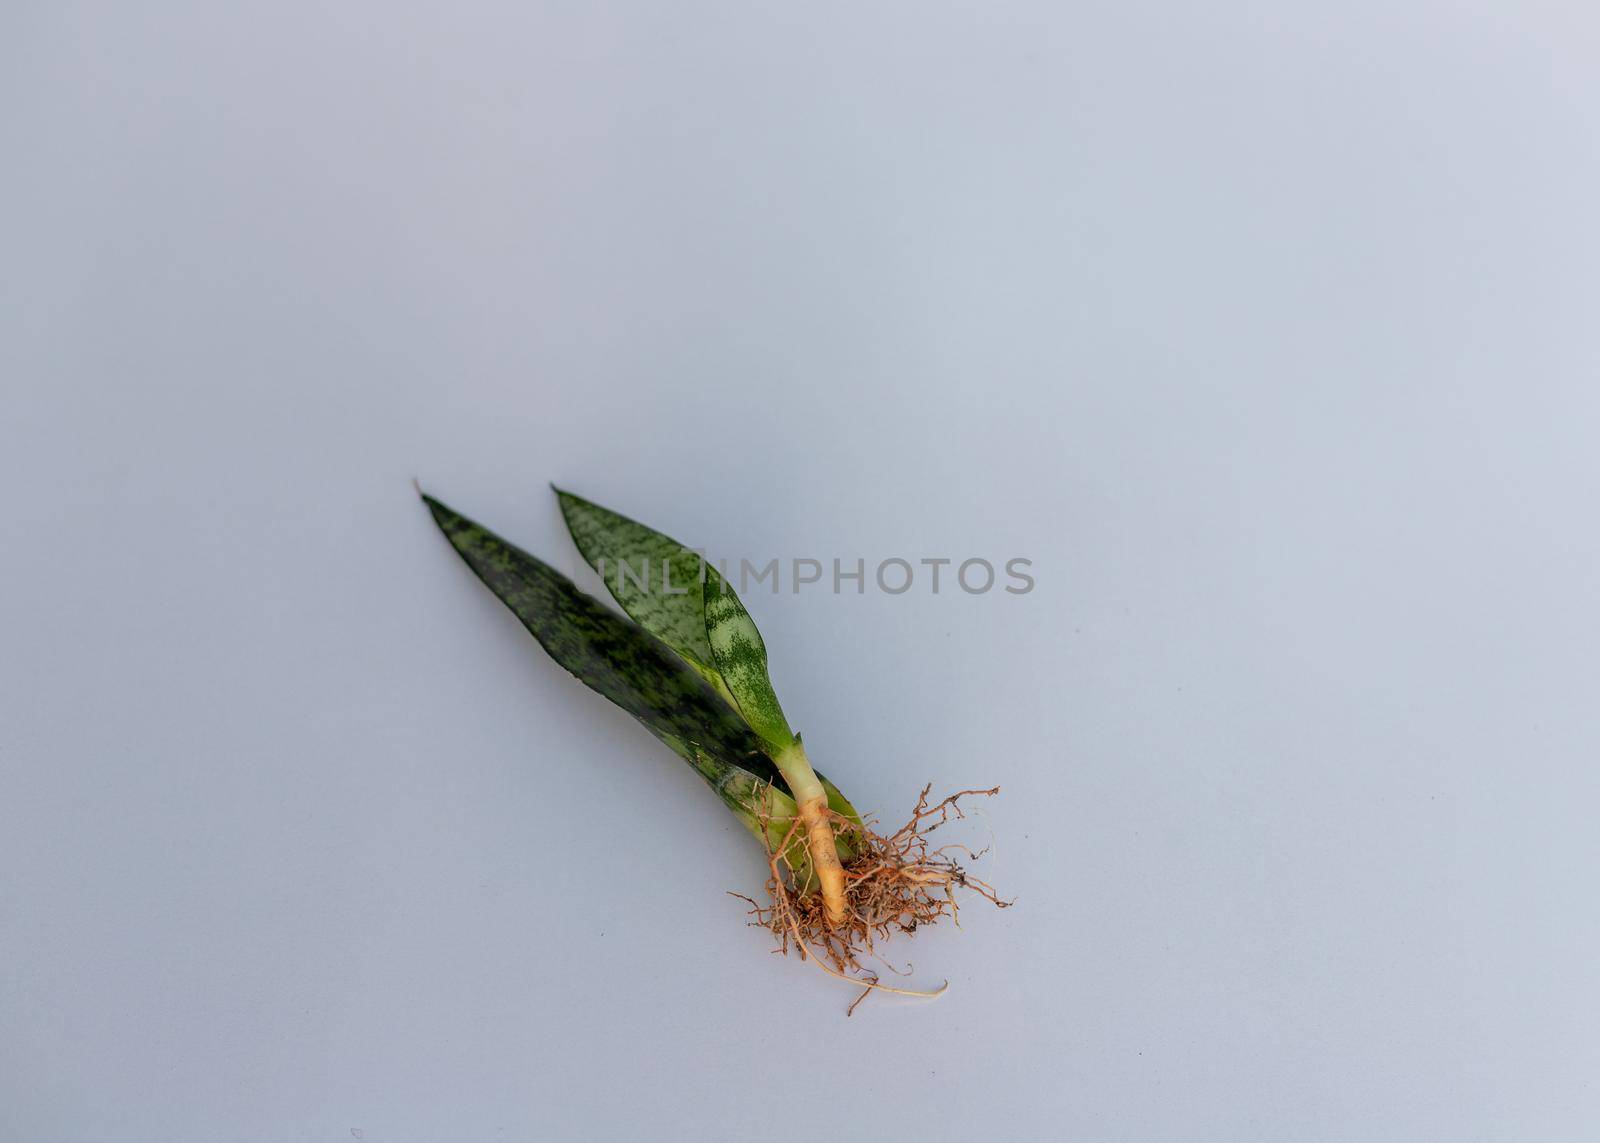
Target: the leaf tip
pixel 567 499
pixel 440 513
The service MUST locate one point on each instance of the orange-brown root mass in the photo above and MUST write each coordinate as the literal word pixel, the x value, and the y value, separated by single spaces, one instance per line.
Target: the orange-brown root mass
pixel 898 882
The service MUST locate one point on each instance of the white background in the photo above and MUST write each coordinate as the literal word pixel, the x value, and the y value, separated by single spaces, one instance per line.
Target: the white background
pixel 1266 330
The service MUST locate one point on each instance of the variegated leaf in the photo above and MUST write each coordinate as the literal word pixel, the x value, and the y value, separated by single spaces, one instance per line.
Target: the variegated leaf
pixel 653 577
pixel 608 539
pixel 741 657
pixel 627 665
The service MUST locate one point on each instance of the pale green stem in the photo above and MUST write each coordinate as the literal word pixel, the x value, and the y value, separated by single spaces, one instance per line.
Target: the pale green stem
pixel 811 803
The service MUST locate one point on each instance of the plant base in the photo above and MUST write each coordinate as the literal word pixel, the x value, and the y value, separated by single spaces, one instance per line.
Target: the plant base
pixel 898 882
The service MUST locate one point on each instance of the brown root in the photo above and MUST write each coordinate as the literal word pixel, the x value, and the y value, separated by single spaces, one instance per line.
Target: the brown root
pixel 898 882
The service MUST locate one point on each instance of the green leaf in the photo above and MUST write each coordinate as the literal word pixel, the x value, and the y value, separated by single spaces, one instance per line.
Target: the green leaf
pixel 653 577
pixel 626 664
pixel 607 539
pixel 741 657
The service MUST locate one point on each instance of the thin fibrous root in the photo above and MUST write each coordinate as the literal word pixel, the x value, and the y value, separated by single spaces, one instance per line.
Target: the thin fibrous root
pixel 895 882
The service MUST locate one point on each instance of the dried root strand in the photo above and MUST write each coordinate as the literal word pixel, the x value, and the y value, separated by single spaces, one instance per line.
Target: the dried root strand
pixel 894 883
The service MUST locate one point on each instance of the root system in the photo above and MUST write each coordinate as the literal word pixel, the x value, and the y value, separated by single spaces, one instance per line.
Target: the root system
pixel 898 882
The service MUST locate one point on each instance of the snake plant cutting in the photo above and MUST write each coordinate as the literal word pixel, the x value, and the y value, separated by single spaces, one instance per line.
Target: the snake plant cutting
pixel 687 661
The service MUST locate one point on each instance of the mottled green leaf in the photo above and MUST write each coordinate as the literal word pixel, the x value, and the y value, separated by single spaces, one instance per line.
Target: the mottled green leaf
pixel 653 577
pixel 608 539
pixel 624 663
pixel 741 657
